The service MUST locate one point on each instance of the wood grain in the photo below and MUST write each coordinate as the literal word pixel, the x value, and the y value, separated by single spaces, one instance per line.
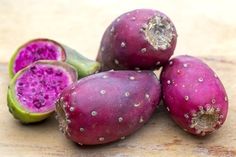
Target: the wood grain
pixel 206 29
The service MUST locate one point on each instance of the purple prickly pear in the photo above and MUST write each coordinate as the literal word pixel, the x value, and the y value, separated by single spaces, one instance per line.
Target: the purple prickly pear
pixel 47 49
pixel 107 106
pixel 139 39
pixel 33 91
pixel 194 95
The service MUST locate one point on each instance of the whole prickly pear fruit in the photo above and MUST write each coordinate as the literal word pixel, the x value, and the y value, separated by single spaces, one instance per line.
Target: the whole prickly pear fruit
pixel 107 106
pixel 33 91
pixel 194 95
pixel 139 39
pixel 46 49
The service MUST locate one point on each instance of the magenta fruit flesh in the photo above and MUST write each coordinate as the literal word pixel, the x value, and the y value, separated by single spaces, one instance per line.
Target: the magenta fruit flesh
pixel 47 49
pixel 38 49
pixel 139 39
pixel 107 106
pixel 194 95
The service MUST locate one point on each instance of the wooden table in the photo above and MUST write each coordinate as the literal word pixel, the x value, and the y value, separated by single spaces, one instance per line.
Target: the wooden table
pixel 206 29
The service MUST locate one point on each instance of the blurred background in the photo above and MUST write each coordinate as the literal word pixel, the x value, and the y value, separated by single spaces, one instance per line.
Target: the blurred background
pixel 203 26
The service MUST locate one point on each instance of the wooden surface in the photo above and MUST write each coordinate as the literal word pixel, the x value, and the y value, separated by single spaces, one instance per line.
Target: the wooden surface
pixel 206 29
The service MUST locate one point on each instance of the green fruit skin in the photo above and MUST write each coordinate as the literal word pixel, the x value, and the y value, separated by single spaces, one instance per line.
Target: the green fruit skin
pixel 83 65
pixel 20 114
pixel 15 107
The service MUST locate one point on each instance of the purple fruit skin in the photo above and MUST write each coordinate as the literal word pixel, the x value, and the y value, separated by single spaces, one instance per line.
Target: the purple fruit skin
pixel 124 45
pixel 108 106
pixel 189 86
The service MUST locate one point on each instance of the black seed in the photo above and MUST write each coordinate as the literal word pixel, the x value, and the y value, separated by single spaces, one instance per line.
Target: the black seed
pixel 58 73
pixel 49 71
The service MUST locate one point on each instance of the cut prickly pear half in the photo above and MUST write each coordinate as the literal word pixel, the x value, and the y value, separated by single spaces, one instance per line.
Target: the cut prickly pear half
pixel 33 91
pixel 47 49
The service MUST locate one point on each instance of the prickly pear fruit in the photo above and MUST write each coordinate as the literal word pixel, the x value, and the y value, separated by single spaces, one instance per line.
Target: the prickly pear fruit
pixel 33 91
pixel 194 95
pixel 47 49
pixel 139 39
pixel 107 106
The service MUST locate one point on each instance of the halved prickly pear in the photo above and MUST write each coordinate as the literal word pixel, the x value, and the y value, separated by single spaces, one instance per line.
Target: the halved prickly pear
pixel 33 91
pixel 139 39
pixel 194 95
pixel 47 49
pixel 107 106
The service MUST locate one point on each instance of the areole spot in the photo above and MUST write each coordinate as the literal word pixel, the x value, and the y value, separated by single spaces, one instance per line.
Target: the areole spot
pixel 102 48
pixel 158 63
pixel 112 29
pixel 123 44
pixel 137 104
pixel 186 98
pixel 171 62
pixel 168 109
pixel 168 82
pixel 185 65
pixel 213 101
pixel 141 120
pixel 127 94
pixel 72 108
pixel 159 32
pixel 122 138
pixel 120 119
pixel 81 129
pixel 200 79
pixel 133 18
pixel 132 78
pixel 215 75
pixel 94 113
pixel 116 61
pixel 103 92
pixel 143 50
pixel 104 76
pixel 186 116
pixel 101 139
pixel 147 96
pixel 226 98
